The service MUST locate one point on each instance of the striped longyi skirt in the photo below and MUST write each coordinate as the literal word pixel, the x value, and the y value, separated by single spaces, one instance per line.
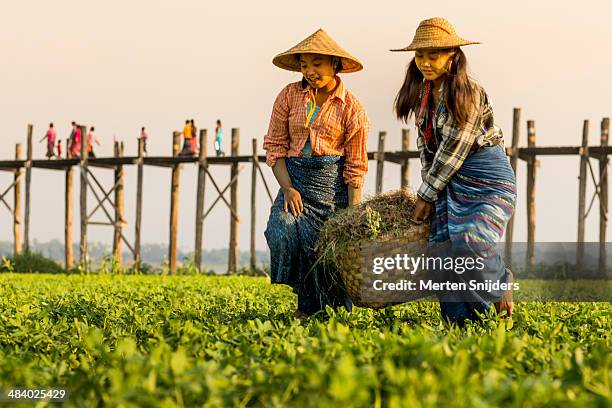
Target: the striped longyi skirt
pixel 292 239
pixel 470 216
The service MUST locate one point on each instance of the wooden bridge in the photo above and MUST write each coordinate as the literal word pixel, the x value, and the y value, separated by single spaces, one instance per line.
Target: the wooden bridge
pixel 116 217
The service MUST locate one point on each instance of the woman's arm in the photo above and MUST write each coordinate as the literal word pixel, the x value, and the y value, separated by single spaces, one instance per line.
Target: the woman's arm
pixel 276 140
pixel 425 156
pixel 452 152
pixel 422 208
pixel 276 145
pixel 356 156
pixel 354 196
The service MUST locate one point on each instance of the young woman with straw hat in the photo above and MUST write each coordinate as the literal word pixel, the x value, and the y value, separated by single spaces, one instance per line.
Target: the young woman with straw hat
pixel 316 146
pixel 468 184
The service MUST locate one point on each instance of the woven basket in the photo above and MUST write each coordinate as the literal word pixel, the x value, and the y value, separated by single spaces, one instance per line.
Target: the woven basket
pixel 354 264
pixel 346 245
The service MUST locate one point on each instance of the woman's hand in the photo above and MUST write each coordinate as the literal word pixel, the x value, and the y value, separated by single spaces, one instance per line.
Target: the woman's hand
pixel 422 209
pixel 292 197
pixel 506 304
pixel 293 201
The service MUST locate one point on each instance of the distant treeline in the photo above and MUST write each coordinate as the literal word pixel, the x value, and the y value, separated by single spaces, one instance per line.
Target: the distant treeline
pixel 152 254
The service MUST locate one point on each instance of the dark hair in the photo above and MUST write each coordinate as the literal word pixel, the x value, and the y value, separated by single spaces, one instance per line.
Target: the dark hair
pixel 187 121
pixel 191 121
pixel 143 128
pixel 51 124
pixel 336 63
pixel 73 123
pixel 458 97
pixel 219 122
pixel 92 129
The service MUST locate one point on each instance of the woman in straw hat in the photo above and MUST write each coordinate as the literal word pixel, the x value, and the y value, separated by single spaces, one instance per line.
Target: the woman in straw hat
pixel 316 146
pixel 468 184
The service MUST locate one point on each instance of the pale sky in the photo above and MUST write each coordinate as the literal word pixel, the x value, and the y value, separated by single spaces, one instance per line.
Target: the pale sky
pixel 120 65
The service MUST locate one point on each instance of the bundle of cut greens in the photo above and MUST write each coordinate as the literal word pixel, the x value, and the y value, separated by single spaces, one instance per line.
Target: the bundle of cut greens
pixel 382 216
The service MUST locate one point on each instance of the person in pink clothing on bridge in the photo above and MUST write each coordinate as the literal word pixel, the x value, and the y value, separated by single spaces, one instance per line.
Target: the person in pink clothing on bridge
pixel 50 136
pixel 75 146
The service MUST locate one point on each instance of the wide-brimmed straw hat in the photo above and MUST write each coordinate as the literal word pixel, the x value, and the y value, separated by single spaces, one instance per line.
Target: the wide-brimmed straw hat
pixel 318 43
pixel 435 32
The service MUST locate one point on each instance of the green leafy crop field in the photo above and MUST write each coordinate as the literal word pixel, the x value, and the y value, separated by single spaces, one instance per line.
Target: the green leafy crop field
pixel 231 341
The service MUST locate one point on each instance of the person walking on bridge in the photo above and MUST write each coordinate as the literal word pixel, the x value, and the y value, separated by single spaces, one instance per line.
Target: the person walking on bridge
pixel 187 135
pixel 50 136
pixel 218 138
pixel 75 146
pixel 144 136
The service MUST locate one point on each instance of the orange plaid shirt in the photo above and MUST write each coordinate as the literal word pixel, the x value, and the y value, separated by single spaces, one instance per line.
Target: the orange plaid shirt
pixel 340 129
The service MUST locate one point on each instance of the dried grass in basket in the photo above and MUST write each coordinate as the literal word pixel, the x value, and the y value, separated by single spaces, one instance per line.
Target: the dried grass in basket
pixel 379 227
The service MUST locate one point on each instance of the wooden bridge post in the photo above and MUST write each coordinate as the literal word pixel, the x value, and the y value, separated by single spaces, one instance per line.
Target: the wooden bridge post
pixel 174 203
pixel 68 252
pixel 117 247
pixel 202 165
pixel 516 125
pixel 531 195
pixel 138 221
pixel 253 261
pixel 603 198
pixel 380 161
pixel 17 205
pixel 28 180
pixel 233 239
pixel 83 199
pixel 584 157
pixel 404 172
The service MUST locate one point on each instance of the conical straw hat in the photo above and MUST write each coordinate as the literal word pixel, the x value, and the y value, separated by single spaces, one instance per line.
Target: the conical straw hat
pixel 318 43
pixel 435 32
